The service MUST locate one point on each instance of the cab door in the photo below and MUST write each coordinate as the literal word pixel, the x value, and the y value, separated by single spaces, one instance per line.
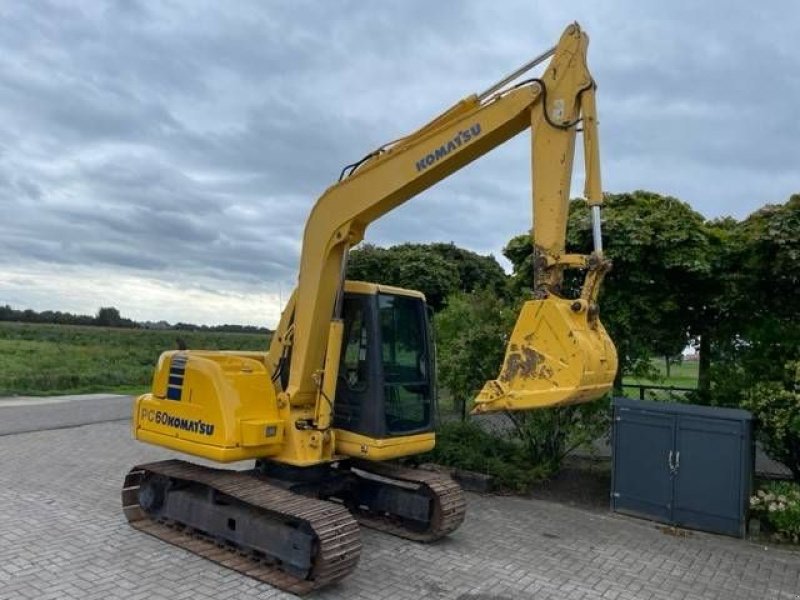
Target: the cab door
pixel 358 402
pixel 407 364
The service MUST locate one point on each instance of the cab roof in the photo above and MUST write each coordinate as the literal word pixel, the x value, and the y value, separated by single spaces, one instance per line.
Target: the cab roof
pixel 365 287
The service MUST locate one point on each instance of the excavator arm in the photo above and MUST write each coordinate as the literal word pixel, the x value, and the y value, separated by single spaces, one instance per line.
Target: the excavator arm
pixel 559 352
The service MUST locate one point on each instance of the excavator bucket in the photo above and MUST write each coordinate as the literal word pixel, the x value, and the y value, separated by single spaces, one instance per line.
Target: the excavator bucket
pixel 559 353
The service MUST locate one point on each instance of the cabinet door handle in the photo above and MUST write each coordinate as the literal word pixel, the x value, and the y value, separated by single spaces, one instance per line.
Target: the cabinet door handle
pixel 669 462
pixel 677 460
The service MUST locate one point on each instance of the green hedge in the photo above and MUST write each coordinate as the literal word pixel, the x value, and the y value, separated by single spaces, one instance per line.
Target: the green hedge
pixel 464 445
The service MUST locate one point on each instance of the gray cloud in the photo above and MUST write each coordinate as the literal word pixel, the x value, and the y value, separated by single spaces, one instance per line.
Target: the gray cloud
pixel 187 141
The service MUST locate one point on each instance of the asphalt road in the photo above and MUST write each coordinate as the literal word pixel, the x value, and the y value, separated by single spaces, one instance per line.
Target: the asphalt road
pixel 23 414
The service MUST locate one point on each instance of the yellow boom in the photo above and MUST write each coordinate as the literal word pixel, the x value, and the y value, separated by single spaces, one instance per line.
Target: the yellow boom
pixel 280 404
pixel 559 352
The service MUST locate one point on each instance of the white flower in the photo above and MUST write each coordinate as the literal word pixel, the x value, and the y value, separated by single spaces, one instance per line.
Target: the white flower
pixel 769 497
pixel 761 493
pixel 781 498
pixel 754 501
pixel 772 508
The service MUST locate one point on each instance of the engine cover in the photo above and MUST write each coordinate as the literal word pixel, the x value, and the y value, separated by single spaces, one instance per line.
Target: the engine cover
pixel 216 405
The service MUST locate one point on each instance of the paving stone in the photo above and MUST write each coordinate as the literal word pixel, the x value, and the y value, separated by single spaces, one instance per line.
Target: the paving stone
pixel 62 535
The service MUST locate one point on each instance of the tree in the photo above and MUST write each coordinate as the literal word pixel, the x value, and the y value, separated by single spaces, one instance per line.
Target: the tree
pixel 108 316
pixel 437 270
pixel 405 266
pixel 718 291
pixel 475 271
pixel 7 313
pixel 471 334
pixel 756 331
pixel 370 263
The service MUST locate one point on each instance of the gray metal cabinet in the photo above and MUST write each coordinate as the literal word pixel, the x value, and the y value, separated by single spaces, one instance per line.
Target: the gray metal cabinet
pixel 682 464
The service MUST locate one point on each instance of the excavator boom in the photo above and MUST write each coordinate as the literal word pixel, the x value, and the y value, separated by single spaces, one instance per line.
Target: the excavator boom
pixel 559 352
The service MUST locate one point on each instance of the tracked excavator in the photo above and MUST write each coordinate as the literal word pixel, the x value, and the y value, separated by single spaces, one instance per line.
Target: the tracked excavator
pixel 347 384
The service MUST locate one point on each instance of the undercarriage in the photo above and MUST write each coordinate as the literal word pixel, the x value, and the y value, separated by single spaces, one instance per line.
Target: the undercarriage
pixel 294 528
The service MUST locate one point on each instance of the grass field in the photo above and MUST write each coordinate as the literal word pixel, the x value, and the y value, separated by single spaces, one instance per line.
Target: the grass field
pixel 682 375
pixel 37 359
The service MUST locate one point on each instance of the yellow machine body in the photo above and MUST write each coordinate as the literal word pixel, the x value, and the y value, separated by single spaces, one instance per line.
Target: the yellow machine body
pixel 228 412
pixel 217 405
pixel 223 406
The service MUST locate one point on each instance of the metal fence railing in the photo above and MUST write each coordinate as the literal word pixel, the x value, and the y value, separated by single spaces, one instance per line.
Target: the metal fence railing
pixel 662 393
pixel 448 410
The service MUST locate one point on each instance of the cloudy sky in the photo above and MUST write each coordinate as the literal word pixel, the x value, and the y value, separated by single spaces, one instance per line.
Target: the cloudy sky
pixel 161 157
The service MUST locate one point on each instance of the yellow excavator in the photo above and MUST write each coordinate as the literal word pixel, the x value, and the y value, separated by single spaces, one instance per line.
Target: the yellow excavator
pixel 348 381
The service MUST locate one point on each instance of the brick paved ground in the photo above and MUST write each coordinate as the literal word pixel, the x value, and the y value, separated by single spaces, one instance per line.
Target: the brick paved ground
pixel 62 535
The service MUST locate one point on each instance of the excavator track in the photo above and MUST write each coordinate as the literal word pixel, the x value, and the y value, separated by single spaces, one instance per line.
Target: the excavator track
pixel 448 510
pixel 336 539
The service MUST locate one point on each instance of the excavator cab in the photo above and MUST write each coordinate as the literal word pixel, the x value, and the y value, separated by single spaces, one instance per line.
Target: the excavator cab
pixel 385 392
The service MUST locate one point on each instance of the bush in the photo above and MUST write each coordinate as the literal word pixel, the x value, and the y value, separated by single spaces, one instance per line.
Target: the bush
pixel 471 335
pixel 777 506
pixel 776 407
pixel 549 434
pixel 464 445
